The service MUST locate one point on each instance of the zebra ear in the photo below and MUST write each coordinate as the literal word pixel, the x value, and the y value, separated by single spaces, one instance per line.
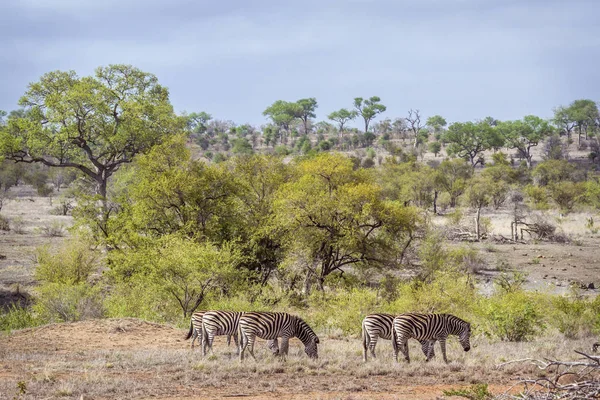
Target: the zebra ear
pixel 316 339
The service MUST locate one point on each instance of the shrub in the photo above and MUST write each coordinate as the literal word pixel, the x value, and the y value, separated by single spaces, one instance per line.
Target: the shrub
pixel 17 317
pixel 4 223
pixel 537 197
pixel 566 194
pixel 60 302
pixel 515 316
pixel 573 317
pixel 53 229
pixel 18 225
pixel 71 264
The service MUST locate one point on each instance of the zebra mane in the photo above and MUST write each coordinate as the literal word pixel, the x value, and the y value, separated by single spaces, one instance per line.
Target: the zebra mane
pixel 303 331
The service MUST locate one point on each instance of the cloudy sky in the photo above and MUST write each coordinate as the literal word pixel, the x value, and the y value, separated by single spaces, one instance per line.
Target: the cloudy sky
pixel 462 59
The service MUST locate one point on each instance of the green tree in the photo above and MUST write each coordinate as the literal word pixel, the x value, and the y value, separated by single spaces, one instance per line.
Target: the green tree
pixel 368 109
pixel 478 196
pixel 525 134
pixel 336 217
pixel 185 271
pixel 308 111
pixel 435 148
pixel 197 122
pixel 452 177
pixel 93 124
pixel 283 113
pixel 342 116
pixel 468 140
pixel 436 124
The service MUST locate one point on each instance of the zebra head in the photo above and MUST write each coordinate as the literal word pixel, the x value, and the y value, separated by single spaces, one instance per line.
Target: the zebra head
pixel 464 335
pixel 308 337
pixel 310 348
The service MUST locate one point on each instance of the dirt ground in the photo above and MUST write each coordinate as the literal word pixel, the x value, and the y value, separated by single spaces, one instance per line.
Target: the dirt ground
pixel 130 358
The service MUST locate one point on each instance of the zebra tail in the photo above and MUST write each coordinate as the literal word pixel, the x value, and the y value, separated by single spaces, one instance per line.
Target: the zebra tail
pixel 191 331
pixel 394 339
pixel 365 340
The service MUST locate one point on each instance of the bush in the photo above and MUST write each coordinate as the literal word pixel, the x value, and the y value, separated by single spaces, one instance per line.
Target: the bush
pixel 566 194
pixel 53 229
pixel 574 317
pixel 18 225
pixel 4 223
pixel 515 316
pixel 537 197
pixel 18 317
pixel 71 264
pixel 59 302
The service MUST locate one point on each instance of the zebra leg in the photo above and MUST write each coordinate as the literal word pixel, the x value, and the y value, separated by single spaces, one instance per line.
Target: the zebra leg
pixel 285 346
pixel 250 342
pixel 204 341
pixel 243 344
pixel 273 345
pixel 405 347
pixel 443 346
pixel 372 344
pixel 228 340
pixel 194 336
pixel 395 344
pixel 235 340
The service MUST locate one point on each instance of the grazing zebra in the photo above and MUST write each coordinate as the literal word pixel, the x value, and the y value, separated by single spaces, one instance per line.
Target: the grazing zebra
pixel 217 323
pixel 376 326
pixel 272 325
pixel 595 347
pixel 428 327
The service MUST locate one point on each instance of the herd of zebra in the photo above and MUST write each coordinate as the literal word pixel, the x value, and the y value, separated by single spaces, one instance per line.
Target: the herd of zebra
pixel 272 326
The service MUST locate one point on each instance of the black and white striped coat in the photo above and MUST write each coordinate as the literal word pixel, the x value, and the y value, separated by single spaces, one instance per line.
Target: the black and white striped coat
pixel 428 327
pixel 273 325
pixel 196 328
pixel 379 326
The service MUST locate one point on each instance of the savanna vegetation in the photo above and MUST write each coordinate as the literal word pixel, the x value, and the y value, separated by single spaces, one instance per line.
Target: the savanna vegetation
pixel 175 213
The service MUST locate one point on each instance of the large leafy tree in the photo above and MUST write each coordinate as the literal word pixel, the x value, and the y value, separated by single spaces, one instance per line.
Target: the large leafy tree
pixel 368 109
pixel 94 124
pixel 524 134
pixel 468 140
pixel 308 111
pixel 336 217
pixel 581 115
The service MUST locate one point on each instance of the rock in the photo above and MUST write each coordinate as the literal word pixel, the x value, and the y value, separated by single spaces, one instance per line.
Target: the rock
pixel 591 286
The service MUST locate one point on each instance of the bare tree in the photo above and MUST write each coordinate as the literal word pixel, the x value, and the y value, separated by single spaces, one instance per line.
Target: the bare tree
pixel 414 122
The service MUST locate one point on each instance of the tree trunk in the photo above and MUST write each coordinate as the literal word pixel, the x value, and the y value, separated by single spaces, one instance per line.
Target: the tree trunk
pixel 477 228
pixel 435 196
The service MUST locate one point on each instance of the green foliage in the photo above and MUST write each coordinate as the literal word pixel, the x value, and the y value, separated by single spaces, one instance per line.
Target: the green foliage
pixel 71 264
pixel 368 109
pixel 478 391
pixel 17 317
pixel 537 197
pixel 525 134
pixel 468 140
pixel 566 194
pixel 341 310
pixel 64 302
pixel 515 316
pixel 184 271
pixel 575 317
pixel 342 116
pixel 550 171
pixel 434 147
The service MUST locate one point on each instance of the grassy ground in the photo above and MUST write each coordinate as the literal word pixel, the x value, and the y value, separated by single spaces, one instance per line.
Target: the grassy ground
pixel 129 358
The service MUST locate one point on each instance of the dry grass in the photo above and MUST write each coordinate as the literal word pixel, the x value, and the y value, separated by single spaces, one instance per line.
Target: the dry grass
pixel 94 359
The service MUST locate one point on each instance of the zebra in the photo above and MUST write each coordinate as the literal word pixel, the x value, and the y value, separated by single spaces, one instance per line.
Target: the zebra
pixel 195 327
pixel 272 325
pixel 376 326
pixel 216 323
pixel 428 327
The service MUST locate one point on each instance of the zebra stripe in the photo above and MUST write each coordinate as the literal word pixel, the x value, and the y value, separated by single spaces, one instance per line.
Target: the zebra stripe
pixel 428 327
pixel 195 327
pixel 219 323
pixel 376 326
pixel 272 325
